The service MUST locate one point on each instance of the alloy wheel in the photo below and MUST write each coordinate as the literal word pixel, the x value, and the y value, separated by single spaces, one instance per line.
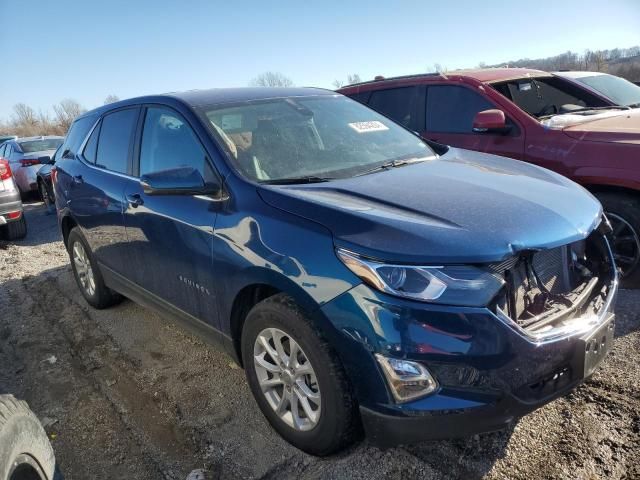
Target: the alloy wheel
pixel 287 379
pixel 83 269
pixel 625 243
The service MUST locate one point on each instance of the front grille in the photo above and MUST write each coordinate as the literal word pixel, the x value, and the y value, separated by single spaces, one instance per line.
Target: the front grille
pixel 546 286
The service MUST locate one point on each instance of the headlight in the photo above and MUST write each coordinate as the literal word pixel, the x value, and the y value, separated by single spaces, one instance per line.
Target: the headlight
pixel 463 285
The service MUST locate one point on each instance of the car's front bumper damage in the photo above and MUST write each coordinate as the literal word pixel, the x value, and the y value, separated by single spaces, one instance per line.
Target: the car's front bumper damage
pixel 490 369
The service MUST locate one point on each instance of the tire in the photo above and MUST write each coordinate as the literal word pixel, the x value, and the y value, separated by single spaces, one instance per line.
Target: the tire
pixel 623 211
pixel 338 423
pixel 25 451
pixel 17 229
pixel 44 193
pixel 96 293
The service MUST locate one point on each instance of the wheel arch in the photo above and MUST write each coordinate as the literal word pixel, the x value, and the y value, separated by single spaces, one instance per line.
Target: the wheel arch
pixel 66 225
pixel 260 284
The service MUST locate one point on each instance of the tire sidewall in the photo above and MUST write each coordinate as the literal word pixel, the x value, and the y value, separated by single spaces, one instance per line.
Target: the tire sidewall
pixel 22 433
pixel 97 299
pixel 332 407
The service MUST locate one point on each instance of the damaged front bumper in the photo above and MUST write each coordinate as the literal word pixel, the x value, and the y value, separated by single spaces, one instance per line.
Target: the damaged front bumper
pixel 490 369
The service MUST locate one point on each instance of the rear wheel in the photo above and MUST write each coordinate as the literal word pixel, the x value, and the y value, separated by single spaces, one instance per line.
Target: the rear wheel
pixel 44 194
pixel 623 212
pixel 25 451
pixel 17 229
pixel 87 273
pixel 297 379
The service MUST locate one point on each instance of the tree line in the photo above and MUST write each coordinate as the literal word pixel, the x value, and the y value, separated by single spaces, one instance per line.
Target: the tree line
pixel 26 122
pixel 623 62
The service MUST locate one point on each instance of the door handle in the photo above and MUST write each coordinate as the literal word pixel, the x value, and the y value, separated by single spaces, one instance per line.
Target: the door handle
pixel 135 200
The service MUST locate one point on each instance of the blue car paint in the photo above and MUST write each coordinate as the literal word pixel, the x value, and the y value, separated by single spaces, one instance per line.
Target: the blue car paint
pixel 199 254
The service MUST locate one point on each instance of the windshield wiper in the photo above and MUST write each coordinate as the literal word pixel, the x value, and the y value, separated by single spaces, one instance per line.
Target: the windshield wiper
pixel 294 180
pixel 393 164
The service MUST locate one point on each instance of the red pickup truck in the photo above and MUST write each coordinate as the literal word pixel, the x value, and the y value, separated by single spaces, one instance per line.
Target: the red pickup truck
pixel 533 116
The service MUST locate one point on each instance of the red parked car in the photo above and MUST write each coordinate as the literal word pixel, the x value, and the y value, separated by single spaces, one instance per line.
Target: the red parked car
pixel 533 116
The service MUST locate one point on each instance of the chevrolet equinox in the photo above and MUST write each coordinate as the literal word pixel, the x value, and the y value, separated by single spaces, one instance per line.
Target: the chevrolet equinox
pixel 365 279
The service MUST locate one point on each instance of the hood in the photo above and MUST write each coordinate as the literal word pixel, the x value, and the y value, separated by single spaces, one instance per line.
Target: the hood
pixel 619 126
pixel 465 207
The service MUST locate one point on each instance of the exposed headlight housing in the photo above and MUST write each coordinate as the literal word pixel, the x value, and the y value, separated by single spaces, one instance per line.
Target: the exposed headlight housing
pixel 463 285
pixel 408 380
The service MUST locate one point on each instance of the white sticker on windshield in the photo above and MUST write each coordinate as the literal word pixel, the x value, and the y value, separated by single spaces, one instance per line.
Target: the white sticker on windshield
pixel 373 126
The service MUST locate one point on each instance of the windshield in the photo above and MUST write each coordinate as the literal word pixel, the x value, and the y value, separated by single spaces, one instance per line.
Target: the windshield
pixel 319 136
pixel 31 146
pixel 621 91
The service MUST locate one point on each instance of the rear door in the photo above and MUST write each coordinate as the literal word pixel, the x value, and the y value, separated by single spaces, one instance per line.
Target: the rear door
pixel 171 236
pixel 449 114
pixel 97 187
pixel 405 105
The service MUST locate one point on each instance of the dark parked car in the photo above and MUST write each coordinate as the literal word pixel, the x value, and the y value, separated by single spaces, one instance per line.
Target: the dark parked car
pixel 12 221
pixel 43 178
pixel 359 275
pixel 533 116
pixel 26 156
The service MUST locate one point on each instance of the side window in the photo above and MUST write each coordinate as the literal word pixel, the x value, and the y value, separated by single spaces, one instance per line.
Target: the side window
pixel 168 142
pixel 76 135
pixel 451 109
pixel 114 140
pixel 395 103
pixel 2 149
pixel 91 148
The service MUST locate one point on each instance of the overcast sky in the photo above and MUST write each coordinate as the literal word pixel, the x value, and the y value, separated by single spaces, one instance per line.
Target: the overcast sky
pixel 56 49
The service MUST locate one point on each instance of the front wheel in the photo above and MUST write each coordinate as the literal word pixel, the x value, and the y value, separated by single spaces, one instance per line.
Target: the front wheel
pixel 297 379
pixel 623 212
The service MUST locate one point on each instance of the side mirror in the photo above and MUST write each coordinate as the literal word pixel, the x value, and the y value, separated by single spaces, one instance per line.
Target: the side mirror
pixel 177 181
pixel 490 121
pixel 46 160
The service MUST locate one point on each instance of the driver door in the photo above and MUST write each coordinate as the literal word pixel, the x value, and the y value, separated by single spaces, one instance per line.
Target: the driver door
pixel 171 236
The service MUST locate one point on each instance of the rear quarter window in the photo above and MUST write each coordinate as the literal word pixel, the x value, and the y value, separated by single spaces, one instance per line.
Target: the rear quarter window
pixel 76 135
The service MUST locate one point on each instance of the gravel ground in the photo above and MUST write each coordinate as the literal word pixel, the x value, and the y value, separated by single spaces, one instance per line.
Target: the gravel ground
pixel 124 394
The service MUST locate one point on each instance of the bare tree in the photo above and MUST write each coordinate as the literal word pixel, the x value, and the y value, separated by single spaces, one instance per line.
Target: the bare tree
pixel 271 79
pixel 351 79
pixel 66 112
pixel 337 84
pixel 24 115
pixel 111 98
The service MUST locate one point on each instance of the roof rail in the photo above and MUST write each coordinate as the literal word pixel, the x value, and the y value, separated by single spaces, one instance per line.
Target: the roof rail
pixel 379 78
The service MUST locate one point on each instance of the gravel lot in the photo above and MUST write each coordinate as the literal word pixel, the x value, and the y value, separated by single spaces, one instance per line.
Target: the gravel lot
pixel 124 394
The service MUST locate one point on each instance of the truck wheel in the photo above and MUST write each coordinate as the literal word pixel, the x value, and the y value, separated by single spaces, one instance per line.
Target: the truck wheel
pixel 297 379
pixel 623 211
pixel 87 273
pixel 25 451
pixel 17 229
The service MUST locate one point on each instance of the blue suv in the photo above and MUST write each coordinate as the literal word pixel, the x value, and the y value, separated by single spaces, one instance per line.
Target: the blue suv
pixel 366 280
